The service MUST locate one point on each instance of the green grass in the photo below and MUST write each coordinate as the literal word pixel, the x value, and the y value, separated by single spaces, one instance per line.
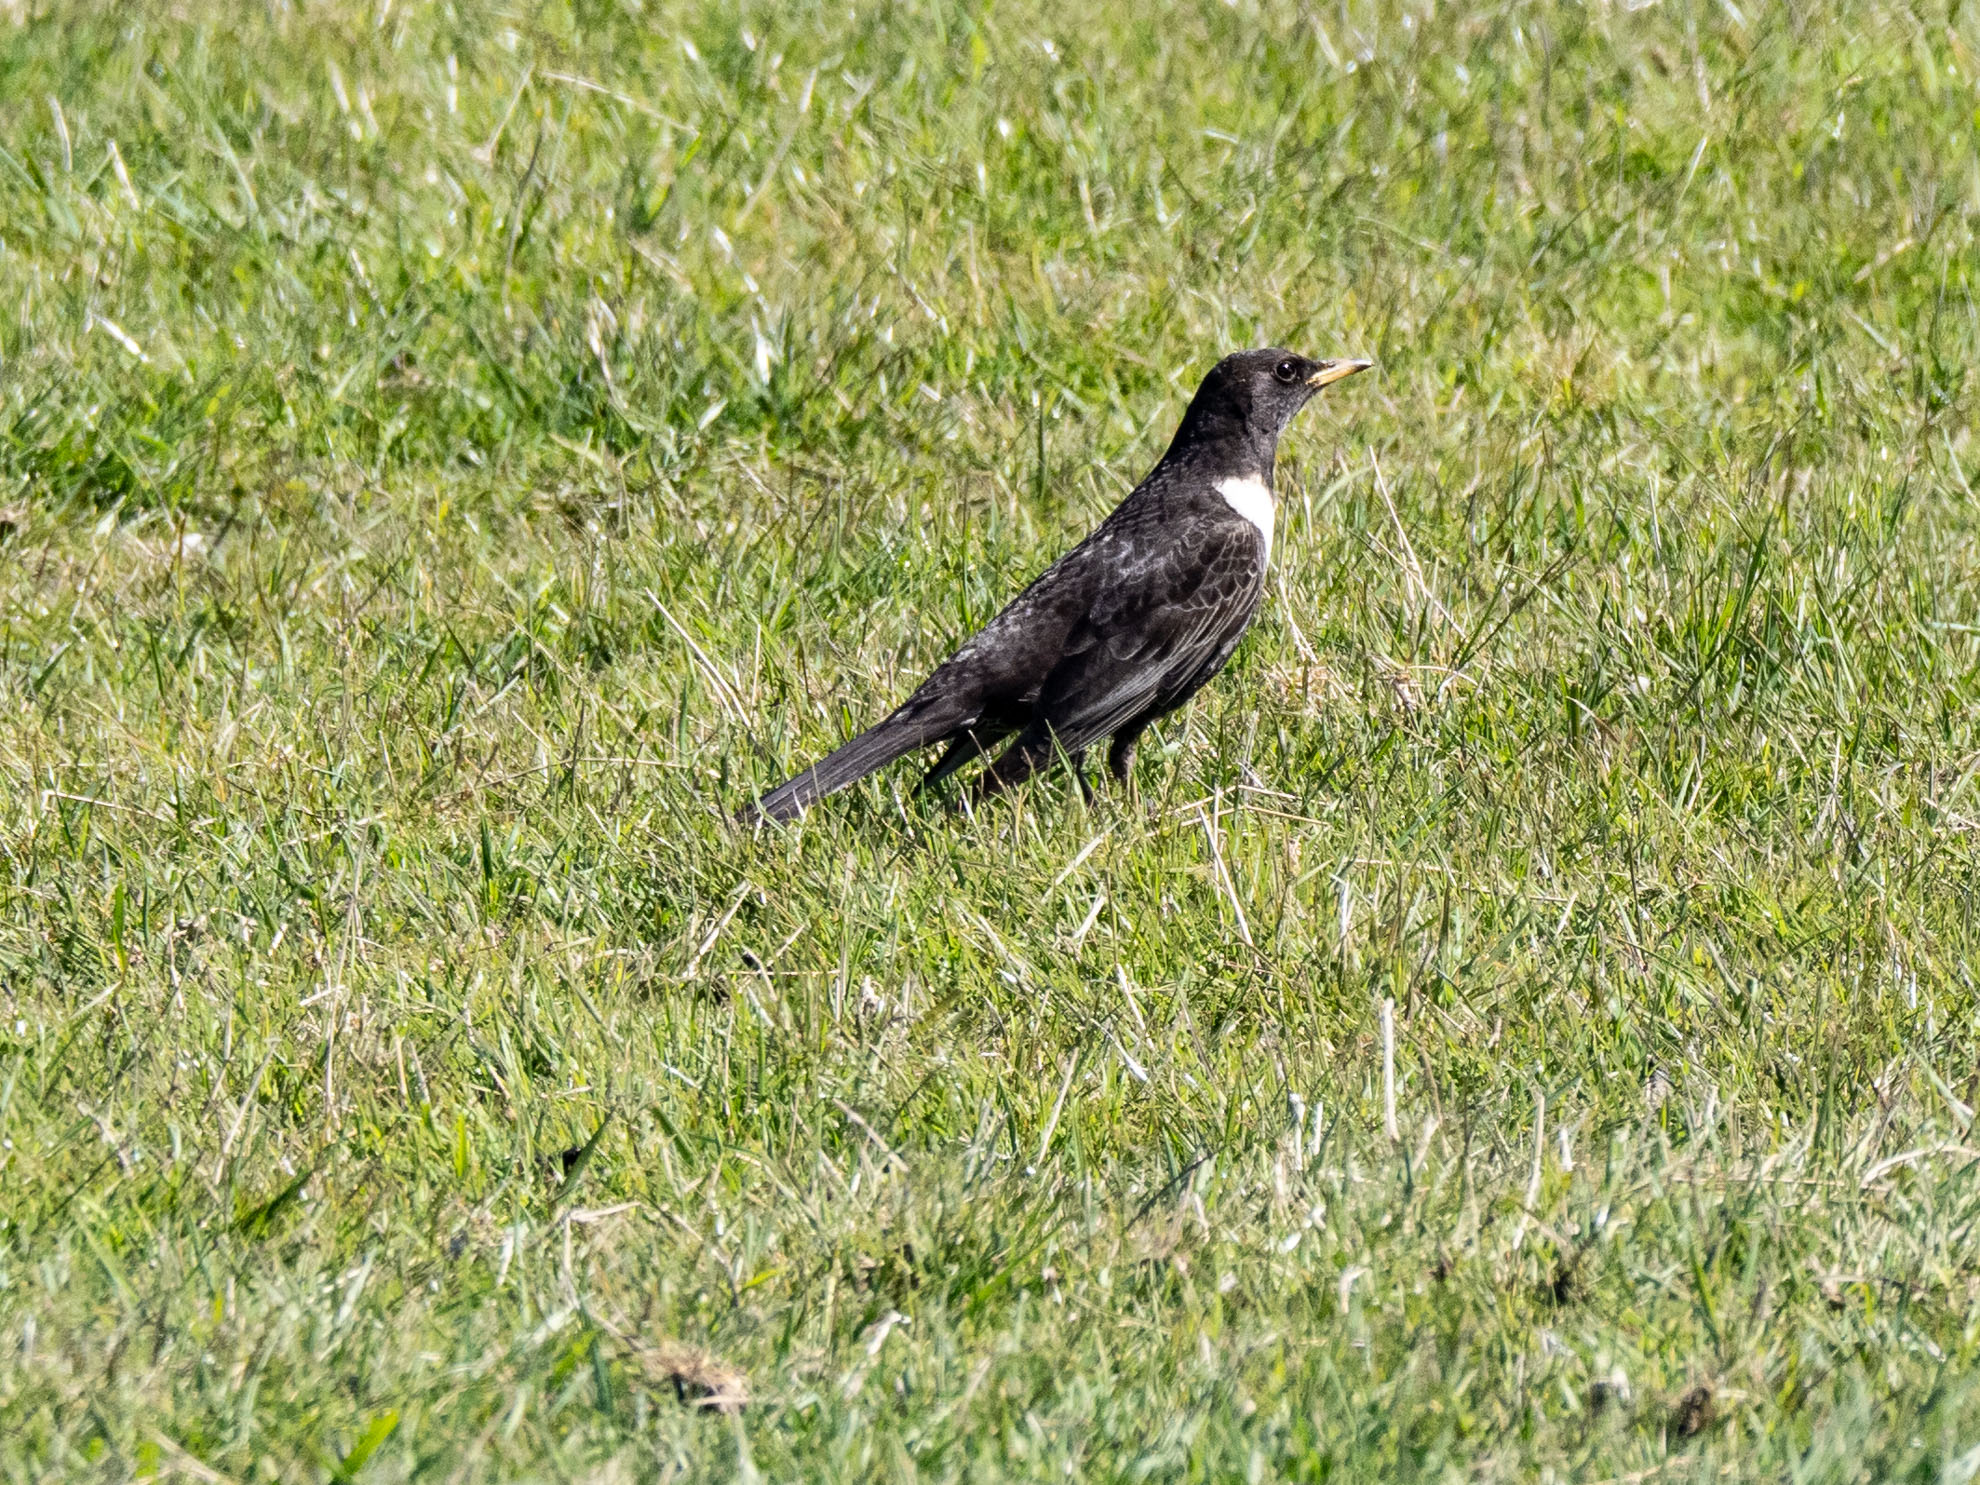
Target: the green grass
pixel 451 453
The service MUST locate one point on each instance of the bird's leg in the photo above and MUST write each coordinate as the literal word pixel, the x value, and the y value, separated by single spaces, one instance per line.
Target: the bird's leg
pixel 1120 757
pixel 1120 760
pixel 1019 762
pixel 1077 762
pixel 965 748
pixel 1120 765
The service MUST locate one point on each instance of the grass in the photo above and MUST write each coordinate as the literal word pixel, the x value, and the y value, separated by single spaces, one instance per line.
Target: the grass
pixel 451 453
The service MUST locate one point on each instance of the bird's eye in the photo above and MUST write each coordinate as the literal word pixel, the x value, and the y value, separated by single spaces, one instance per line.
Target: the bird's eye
pixel 1287 371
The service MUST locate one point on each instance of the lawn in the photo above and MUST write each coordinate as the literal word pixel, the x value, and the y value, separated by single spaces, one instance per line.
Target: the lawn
pixel 1522 1024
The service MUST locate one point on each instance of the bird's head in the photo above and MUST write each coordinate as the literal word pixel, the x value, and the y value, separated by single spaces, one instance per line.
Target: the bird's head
pixel 1246 402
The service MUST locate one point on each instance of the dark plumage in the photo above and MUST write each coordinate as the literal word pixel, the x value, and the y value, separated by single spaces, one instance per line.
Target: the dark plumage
pixel 1126 626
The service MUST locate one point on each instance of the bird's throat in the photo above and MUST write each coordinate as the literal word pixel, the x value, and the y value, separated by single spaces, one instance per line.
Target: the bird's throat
pixel 1251 497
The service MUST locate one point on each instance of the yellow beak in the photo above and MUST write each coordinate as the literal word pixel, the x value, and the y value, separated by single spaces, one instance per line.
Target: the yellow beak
pixel 1334 371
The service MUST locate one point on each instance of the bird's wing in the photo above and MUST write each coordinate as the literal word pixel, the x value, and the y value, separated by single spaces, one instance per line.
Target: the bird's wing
pixel 1158 630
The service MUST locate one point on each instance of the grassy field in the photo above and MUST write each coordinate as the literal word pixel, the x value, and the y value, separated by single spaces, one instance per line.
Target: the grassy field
pixel 451 453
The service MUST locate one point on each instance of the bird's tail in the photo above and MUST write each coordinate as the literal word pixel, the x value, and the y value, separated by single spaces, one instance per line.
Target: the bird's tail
pixel 872 749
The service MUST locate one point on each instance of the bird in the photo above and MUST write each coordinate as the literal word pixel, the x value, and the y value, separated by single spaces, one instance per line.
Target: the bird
pixel 1125 627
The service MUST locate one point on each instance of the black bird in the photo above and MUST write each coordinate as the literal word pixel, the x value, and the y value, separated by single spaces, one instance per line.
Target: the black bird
pixel 1126 626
